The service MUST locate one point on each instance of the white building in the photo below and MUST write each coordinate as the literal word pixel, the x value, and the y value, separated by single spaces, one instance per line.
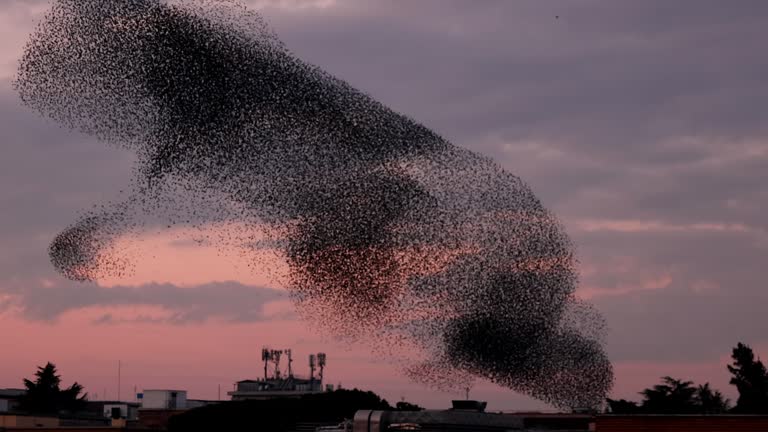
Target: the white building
pixel 164 399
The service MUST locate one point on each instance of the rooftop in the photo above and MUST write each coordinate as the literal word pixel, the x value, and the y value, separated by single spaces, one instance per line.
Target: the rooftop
pixel 9 392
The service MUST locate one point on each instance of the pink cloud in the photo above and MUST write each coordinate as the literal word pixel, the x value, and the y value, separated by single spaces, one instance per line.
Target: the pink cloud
pixel 639 226
pixel 650 284
pixel 160 258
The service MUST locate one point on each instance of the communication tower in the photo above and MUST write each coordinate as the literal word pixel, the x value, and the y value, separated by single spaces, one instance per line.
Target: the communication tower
pixel 290 362
pixel 266 356
pixel 321 364
pixel 312 367
pixel 276 354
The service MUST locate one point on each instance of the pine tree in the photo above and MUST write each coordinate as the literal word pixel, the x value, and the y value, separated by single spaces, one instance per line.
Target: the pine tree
pixel 44 395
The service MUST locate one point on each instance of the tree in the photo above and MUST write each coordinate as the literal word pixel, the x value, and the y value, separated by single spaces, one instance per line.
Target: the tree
pixel 673 396
pixel 407 406
pixel 44 396
pixel 622 406
pixel 751 380
pixel 709 401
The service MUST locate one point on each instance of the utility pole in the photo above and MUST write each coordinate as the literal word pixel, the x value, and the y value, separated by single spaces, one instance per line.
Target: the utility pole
pixel 118 380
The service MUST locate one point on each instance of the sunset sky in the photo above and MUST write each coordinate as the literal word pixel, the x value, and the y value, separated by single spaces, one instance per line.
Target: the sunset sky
pixel 641 124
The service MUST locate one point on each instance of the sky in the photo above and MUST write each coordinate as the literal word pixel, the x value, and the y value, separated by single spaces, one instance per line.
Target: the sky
pixel 640 124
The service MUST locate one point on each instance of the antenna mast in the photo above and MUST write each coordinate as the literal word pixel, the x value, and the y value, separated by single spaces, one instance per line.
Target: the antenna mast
pixel 290 362
pixel 276 358
pixel 321 365
pixel 311 368
pixel 266 356
pixel 118 380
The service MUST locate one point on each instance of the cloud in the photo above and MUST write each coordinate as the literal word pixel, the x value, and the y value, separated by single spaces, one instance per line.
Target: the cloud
pixel 228 301
pixel 292 5
pixel 638 226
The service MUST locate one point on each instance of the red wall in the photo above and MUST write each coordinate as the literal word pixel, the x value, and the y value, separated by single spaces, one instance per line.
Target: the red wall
pixel 156 418
pixel 650 423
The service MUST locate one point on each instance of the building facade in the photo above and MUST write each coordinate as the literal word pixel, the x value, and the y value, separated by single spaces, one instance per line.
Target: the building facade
pixel 163 399
pixel 291 387
pixel 9 399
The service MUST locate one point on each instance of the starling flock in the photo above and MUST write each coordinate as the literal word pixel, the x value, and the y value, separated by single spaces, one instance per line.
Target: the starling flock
pixel 428 253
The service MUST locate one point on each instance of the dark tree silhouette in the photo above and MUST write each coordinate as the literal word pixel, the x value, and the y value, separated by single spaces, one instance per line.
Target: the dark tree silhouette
pixel 44 396
pixel 407 406
pixel 751 380
pixel 710 401
pixel 622 406
pixel 673 396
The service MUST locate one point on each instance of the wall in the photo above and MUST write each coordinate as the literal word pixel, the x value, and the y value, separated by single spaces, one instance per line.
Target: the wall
pixel 156 418
pixel 181 401
pixel 123 410
pixel 77 429
pixel 155 400
pixel 161 399
pixel 13 421
pixel 681 423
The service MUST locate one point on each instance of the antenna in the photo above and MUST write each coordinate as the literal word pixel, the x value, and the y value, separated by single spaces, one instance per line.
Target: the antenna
pixel 290 361
pixel 266 356
pixel 311 367
pixel 118 380
pixel 276 358
pixel 321 364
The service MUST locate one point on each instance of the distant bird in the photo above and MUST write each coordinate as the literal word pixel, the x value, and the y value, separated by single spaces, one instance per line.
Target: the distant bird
pixel 557 16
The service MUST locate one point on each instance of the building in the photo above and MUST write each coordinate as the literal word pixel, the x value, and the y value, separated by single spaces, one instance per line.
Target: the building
pixel 158 406
pixel 157 418
pixel 114 409
pixel 275 388
pixel 13 421
pixel 163 399
pixel 466 416
pixel 279 383
pixel 197 403
pixel 463 419
pixel 9 399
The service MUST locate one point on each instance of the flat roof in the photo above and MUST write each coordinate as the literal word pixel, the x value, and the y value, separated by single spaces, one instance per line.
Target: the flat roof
pixel 163 390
